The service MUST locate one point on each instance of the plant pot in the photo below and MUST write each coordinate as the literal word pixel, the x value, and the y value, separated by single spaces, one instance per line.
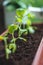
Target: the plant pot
pixel 26 51
pixel 38 60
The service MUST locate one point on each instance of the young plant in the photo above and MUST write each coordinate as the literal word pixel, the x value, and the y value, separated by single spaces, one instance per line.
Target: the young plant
pixel 11 47
pixel 7 51
pixel 12 29
pixel 8 47
pixel 23 17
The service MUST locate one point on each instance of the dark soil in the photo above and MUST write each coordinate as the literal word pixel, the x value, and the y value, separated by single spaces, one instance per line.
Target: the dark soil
pixel 25 52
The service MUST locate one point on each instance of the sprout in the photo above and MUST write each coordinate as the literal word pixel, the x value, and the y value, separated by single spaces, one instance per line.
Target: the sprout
pixel 13 47
pixel 12 28
pixel 7 53
pixel 31 30
pixel 22 17
pixel 22 39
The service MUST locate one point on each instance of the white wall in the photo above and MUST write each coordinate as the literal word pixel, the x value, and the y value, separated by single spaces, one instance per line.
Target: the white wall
pixel 9 17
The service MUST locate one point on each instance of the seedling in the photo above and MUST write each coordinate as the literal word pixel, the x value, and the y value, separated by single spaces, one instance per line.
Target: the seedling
pixel 24 17
pixel 7 51
pixel 11 47
pixel 8 47
pixel 13 28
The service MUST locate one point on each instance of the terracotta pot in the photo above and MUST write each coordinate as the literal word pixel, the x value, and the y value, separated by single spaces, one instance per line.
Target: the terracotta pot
pixel 38 60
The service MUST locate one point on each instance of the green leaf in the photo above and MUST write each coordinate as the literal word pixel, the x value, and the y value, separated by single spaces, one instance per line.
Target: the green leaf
pixel 21 31
pixel 13 40
pixel 29 22
pixel 30 15
pixel 31 30
pixel 25 33
pixel 12 28
pixel 23 5
pixel 20 12
pixel 7 53
pixel 13 47
pixel 26 20
pixel 18 19
pixel 1 37
pixel 22 39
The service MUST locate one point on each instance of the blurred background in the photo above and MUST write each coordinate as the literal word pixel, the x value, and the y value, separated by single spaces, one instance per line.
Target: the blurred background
pixel 8 9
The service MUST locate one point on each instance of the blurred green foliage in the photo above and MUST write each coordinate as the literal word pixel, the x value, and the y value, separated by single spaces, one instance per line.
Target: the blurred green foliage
pixel 35 3
pixel 12 4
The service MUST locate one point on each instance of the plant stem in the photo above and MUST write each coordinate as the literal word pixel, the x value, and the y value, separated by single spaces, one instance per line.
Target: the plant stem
pixel 7 56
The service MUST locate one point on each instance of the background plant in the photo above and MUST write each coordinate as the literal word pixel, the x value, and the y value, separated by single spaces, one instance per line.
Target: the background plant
pixel 13 4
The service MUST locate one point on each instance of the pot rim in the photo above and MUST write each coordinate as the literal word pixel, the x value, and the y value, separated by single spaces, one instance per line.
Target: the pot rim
pixel 38 59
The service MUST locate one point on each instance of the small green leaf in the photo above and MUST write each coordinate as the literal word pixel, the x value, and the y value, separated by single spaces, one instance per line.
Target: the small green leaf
pixel 31 30
pixel 18 19
pixel 21 31
pixel 13 40
pixel 30 15
pixel 29 22
pixel 22 39
pixel 20 12
pixel 24 19
pixel 1 37
pixel 7 53
pixel 12 28
pixel 13 47
pixel 25 33
pixel 23 5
